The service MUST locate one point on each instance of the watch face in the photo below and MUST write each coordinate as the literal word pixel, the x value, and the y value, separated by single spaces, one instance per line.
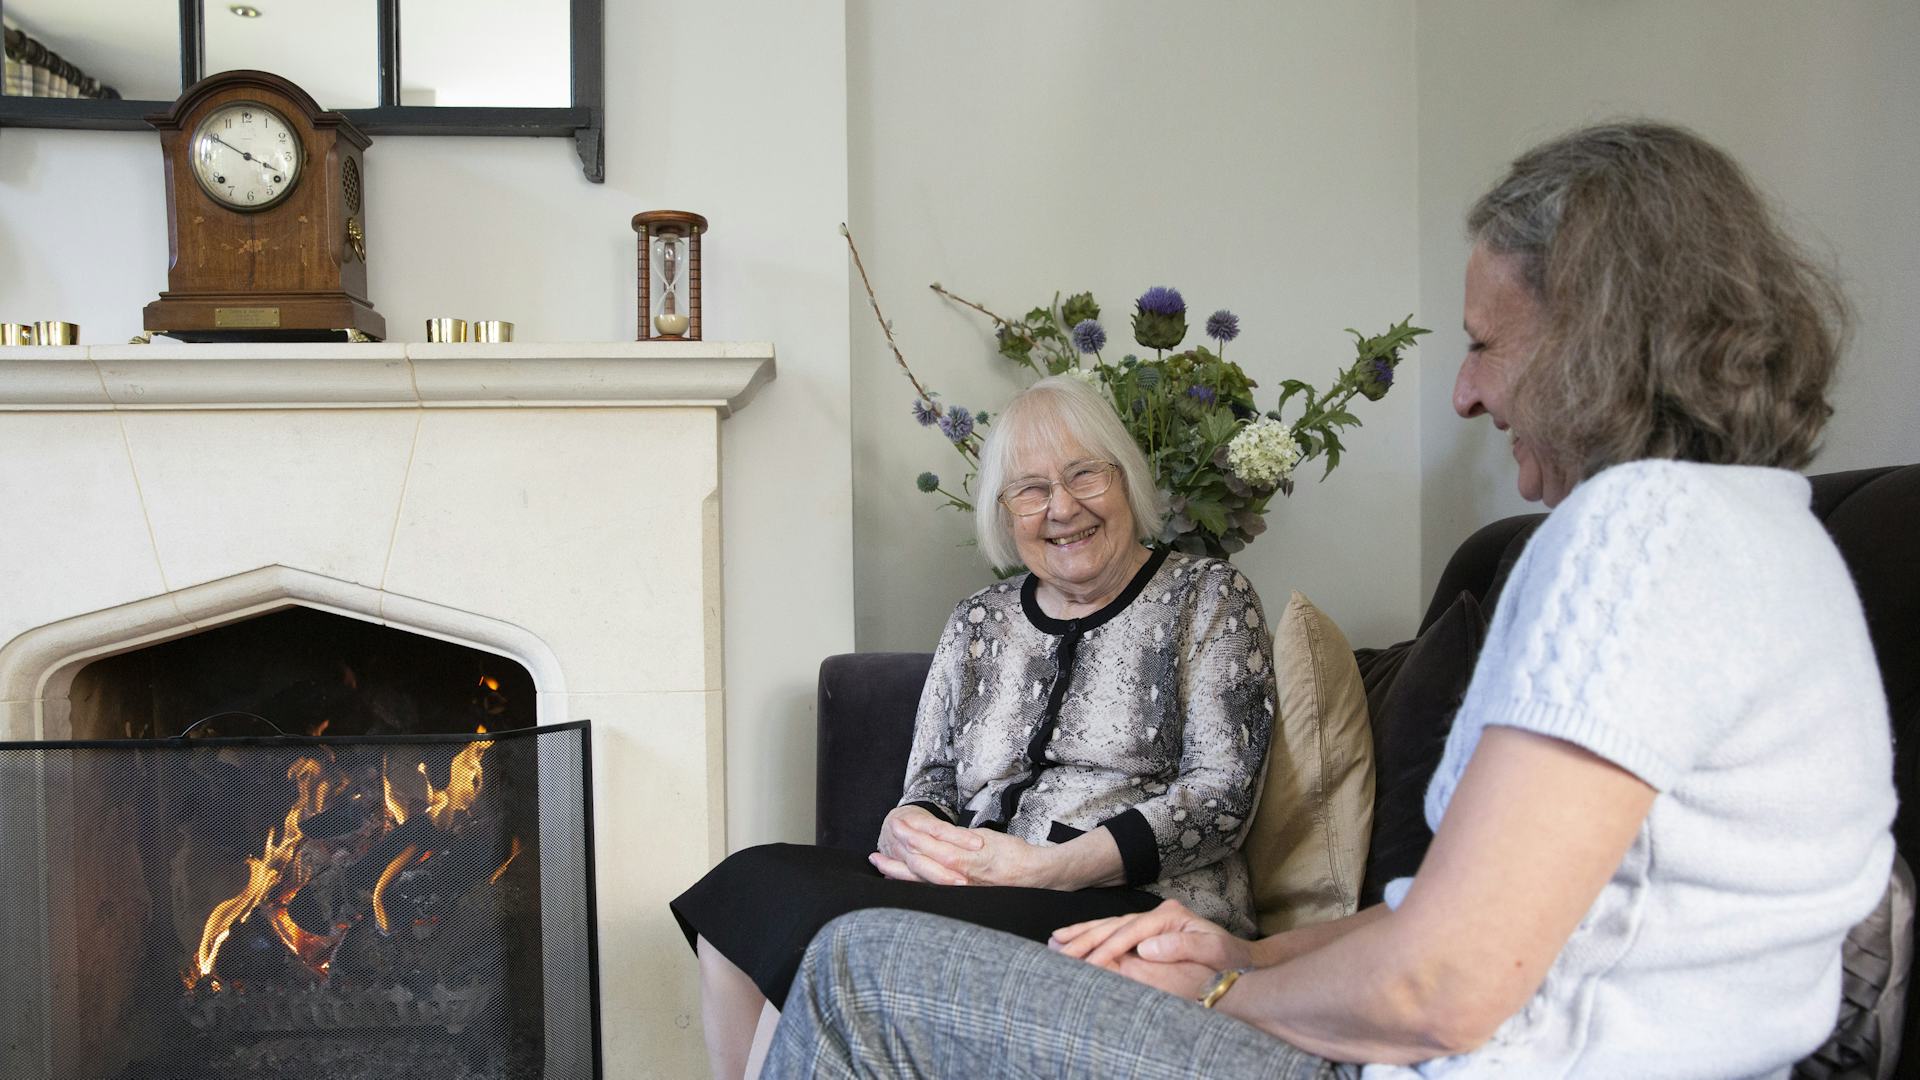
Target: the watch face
pixel 246 156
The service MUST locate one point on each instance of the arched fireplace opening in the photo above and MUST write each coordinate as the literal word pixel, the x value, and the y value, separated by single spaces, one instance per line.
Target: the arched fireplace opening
pixel 360 862
pixel 307 672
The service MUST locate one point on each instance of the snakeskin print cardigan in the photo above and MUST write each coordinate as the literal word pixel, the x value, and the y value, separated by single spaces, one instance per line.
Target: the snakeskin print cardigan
pixel 1150 716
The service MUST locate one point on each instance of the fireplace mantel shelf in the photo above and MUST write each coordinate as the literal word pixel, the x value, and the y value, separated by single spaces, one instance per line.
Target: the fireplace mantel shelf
pixel 93 378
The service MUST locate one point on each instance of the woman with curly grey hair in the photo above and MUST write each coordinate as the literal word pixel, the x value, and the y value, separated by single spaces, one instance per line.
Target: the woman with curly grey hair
pixel 1089 742
pixel 1667 794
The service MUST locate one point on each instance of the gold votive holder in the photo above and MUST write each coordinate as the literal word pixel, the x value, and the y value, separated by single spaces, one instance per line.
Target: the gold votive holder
pixel 492 331
pixel 446 329
pixel 15 333
pixel 55 332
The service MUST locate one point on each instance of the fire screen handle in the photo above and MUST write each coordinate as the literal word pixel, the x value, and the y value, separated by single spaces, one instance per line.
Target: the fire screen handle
pixel 231 712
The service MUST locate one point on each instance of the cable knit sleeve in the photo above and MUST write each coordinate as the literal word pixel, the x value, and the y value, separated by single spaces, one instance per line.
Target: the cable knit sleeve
pixel 1600 634
pixel 931 780
pixel 1224 679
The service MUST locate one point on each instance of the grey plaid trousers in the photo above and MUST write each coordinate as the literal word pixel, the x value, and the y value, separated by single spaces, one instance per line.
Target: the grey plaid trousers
pixel 885 993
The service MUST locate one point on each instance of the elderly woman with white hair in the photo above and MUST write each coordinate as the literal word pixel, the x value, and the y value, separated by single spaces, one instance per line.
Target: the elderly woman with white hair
pixel 1090 740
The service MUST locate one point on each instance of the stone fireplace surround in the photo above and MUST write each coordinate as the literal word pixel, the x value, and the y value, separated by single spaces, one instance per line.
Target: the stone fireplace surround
pixel 557 504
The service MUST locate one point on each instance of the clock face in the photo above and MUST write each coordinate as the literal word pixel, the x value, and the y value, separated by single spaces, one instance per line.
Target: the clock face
pixel 245 155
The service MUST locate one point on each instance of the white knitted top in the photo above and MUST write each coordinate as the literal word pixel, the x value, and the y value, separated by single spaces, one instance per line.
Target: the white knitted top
pixel 1695 625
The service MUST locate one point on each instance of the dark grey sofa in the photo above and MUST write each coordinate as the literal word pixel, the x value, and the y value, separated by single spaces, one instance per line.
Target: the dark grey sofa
pixel 867 701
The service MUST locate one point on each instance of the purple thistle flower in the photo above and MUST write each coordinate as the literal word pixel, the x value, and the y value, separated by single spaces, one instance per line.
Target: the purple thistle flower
pixel 1382 372
pixel 1223 326
pixel 957 424
pixel 1202 394
pixel 923 412
pixel 1162 300
pixel 1089 336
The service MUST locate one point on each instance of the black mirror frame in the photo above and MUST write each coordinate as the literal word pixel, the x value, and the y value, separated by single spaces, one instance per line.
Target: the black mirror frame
pixel 584 120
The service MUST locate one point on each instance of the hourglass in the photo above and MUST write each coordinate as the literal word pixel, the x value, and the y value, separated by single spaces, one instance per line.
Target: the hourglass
pixel 669 274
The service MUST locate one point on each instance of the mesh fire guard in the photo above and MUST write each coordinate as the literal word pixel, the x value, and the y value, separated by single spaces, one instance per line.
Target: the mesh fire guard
pixel 416 906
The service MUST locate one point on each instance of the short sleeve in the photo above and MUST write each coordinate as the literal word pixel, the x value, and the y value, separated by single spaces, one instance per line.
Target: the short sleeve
pixel 1598 637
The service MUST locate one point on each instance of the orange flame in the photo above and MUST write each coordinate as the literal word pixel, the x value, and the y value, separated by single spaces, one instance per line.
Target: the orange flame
pixel 276 875
pixel 392 871
pixel 276 865
pixel 396 810
pixel 463 785
pixel 512 855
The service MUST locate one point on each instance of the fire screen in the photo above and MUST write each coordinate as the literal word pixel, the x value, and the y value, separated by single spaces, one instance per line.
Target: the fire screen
pixel 416 907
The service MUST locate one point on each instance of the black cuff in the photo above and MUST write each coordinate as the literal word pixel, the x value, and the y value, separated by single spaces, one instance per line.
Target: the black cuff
pixel 1139 849
pixel 932 808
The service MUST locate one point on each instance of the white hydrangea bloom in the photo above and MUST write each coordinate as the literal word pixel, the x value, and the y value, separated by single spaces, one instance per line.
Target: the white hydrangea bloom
pixel 1263 453
pixel 1090 376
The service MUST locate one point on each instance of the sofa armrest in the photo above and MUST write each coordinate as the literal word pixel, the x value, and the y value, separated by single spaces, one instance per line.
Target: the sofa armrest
pixel 865 723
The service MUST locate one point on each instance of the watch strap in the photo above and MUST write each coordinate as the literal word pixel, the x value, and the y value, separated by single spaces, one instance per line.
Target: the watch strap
pixel 1221 985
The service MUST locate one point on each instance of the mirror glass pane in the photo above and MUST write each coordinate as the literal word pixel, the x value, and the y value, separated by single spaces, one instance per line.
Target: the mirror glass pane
pixel 329 48
pixel 505 53
pixel 132 46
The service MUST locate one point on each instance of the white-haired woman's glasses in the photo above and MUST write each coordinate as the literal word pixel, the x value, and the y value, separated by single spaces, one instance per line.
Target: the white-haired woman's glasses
pixel 1083 480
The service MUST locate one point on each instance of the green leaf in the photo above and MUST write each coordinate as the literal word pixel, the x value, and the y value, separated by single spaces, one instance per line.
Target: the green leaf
pixel 1290 387
pixel 1208 514
pixel 1218 426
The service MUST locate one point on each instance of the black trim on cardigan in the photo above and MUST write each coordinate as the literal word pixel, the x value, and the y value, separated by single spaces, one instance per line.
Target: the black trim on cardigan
pixel 1069 632
pixel 933 808
pixel 1047 624
pixel 1139 851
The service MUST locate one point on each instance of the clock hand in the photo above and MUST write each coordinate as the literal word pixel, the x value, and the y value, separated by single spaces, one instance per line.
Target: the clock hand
pixel 267 169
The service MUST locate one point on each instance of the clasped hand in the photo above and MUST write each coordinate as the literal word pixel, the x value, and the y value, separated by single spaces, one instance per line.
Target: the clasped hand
pixel 917 846
pixel 1169 948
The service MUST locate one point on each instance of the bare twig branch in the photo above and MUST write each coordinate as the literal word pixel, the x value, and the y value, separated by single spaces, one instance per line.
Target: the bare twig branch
pixel 968 447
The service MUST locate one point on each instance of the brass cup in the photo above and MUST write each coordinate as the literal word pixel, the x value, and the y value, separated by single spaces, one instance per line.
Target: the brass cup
pixel 492 331
pixel 446 329
pixel 55 332
pixel 14 333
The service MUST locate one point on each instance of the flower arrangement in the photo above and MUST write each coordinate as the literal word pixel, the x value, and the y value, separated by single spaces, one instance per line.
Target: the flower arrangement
pixel 1192 412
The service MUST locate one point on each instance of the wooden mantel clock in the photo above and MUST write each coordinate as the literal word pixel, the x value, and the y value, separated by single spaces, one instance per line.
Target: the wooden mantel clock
pixel 266 230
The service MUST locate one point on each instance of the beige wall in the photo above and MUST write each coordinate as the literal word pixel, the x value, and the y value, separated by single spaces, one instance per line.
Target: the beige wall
pixel 734 110
pixel 1821 102
pixel 1258 156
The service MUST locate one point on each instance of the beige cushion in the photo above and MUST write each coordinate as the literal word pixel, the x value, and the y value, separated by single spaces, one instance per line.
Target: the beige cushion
pixel 1307 848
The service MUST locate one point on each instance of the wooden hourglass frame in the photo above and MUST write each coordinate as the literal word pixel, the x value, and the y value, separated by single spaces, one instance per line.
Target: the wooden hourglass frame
pixel 669 223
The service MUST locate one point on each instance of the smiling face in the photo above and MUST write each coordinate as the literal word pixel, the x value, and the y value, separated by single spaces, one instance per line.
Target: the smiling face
pixel 1082 550
pixel 1503 328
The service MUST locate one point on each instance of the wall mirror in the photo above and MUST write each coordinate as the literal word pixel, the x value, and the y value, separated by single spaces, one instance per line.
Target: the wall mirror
pixel 394 67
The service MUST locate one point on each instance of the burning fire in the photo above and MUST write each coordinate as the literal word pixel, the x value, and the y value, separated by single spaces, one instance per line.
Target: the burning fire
pixel 277 874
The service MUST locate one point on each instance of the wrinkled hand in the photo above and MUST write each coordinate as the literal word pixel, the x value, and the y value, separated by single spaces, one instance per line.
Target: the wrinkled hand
pixel 915 845
pixel 995 858
pixel 1155 945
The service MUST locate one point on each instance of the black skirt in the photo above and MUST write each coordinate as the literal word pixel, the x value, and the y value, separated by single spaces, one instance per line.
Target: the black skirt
pixel 763 905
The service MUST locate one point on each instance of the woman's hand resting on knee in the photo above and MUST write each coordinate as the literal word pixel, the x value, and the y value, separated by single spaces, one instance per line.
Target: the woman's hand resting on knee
pixel 917 846
pixel 1169 947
